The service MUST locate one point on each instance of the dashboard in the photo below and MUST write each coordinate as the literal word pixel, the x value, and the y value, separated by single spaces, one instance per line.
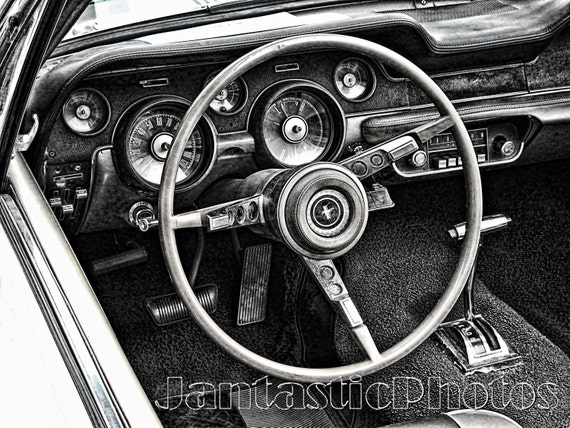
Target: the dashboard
pixel 109 128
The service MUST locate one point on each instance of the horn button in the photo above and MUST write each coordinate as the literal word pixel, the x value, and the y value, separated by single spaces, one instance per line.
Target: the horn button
pixel 322 210
pixel 328 212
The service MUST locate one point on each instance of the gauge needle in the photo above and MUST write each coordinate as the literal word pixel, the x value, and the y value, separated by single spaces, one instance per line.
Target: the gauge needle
pixel 180 175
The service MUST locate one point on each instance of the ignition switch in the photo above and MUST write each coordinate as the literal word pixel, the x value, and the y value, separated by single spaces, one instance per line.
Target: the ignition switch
pixel 142 215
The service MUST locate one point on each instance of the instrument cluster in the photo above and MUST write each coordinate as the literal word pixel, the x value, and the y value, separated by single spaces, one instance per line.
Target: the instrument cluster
pixel 116 131
pixel 294 121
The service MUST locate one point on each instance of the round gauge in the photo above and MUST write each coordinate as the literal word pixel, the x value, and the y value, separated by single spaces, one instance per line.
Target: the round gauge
pixel 149 138
pixel 231 99
pixel 354 79
pixel 296 122
pixel 86 112
pixel 297 128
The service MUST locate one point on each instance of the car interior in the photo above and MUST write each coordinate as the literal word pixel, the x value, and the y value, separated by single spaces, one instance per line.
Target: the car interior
pixel 316 196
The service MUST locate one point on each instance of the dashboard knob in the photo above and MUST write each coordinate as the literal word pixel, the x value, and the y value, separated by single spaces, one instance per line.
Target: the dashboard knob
pixel 503 146
pixel 419 159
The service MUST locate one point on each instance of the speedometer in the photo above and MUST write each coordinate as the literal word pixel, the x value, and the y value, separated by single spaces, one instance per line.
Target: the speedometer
pixel 149 140
pixel 146 136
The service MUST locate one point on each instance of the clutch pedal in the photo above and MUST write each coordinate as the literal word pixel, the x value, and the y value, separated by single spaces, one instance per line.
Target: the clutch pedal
pixel 254 284
pixel 169 308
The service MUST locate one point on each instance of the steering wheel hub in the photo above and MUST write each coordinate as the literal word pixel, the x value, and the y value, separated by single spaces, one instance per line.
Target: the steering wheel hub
pixel 322 210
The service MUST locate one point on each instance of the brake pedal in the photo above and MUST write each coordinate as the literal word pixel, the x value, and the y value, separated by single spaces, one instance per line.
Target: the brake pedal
pixel 254 284
pixel 169 308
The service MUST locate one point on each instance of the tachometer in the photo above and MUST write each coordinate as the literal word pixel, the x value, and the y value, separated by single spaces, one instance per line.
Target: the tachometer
pixel 299 124
pixel 86 112
pixel 146 137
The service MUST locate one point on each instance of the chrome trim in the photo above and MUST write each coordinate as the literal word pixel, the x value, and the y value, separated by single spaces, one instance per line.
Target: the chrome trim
pixel 241 140
pixel 25 140
pixel 69 338
pixel 30 353
pixel 112 394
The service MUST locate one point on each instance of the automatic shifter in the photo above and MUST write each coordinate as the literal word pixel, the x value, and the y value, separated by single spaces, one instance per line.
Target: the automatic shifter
pixel 473 341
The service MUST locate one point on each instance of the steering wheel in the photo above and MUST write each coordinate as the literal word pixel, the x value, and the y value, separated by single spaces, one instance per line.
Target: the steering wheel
pixel 295 205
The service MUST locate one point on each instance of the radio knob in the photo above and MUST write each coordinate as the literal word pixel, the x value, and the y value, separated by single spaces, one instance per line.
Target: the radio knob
pixel 503 146
pixel 419 159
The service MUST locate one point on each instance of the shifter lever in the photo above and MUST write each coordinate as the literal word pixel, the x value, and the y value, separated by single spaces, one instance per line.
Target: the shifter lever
pixel 473 341
pixel 489 224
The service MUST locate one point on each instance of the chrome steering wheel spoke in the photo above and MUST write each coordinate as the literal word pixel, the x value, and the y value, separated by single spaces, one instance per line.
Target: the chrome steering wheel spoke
pixel 228 215
pixel 384 154
pixel 330 282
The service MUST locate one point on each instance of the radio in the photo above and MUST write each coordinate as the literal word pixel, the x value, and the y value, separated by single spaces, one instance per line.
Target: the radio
pixel 496 143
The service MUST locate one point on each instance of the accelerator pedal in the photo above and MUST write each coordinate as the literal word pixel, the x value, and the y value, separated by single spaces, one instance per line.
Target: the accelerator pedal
pixel 254 284
pixel 169 308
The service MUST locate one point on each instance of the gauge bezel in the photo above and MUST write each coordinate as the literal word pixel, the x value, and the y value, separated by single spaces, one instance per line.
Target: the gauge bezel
pixel 263 156
pixel 126 122
pixel 369 92
pixel 243 101
pixel 104 124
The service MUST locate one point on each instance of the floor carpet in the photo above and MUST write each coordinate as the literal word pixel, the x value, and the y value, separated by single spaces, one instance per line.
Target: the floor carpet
pixel 396 273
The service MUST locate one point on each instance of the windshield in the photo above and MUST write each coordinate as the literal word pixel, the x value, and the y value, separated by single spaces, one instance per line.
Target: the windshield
pixel 105 14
